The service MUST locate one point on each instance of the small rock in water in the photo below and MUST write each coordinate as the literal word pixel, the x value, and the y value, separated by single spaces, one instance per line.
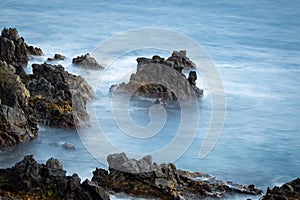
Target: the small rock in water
pixel 57 57
pixel 87 61
pixel 69 146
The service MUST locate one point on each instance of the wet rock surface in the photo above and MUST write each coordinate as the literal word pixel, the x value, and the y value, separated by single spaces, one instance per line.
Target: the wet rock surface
pixel 17 120
pixel 13 49
pixel 162 79
pixel 31 180
pixel 87 61
pixel 288 191
pixel 58 97
pixel 143 178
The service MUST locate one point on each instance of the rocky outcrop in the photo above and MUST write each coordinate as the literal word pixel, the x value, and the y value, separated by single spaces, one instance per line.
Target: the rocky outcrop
pixel 87 61
pixel 35 51
pixel 58 97
pixel 31 180
pixel 57 56
pixel 288 191
pixel 17 120
pixel 162 79
pixel 13 49
pixel 143 178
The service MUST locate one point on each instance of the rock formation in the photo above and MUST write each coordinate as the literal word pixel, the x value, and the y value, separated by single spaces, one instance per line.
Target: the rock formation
pixel 58 97
pixel 17 120
pixel 13 49
pixel 31 180
pixel 142 178
pixel 87 61
pixel 288 191
pixel 162 79
pixel 57 56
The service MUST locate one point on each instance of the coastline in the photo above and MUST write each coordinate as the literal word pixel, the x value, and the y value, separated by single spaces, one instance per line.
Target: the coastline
pixel 63 105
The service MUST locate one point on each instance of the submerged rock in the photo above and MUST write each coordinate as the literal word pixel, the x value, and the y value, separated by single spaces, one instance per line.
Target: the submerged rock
pixel 143 178
pixel 17 120
pixel 288 191
pixel 31 180
pixel 162 79
pixel 58 97
pixel 87 61
pixel 13 48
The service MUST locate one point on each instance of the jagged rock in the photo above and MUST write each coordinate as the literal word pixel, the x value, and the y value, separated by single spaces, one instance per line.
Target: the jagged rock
pixel 58 97
pixel 288 191
pixel 17 121
pixel 35 51
pixel 122 163
pixel 31 180
pixel 180 60
pixel 57 57
pixel 162 79
pixel 146 179
pixel 13 48
pixel 87 61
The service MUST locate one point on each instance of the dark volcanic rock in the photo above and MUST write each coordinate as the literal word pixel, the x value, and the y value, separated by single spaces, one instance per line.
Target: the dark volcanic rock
pixel 143 178
pixel 13 48
pixel 162 79
pixel 58 97
pixel 57 57
pixel 288 191
pixel 17 121
pixel 35 51
pixel 31 180
pixel 87 61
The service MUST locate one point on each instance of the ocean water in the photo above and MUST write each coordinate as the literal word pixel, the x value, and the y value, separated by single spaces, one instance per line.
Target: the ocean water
pixel 255 46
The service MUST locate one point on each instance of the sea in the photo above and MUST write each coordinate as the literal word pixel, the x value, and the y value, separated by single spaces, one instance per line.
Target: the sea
pixel 254 51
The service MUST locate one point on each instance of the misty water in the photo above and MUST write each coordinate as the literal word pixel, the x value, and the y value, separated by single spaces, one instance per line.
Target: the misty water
pixel 255 46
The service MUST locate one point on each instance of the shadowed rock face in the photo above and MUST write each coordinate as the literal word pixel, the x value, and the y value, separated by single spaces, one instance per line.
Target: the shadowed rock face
pixel 31 180
pixel 162 79
pixel 13 49
pixel 58 97
pixel 288 191
pixel 143 178
pixel 17 120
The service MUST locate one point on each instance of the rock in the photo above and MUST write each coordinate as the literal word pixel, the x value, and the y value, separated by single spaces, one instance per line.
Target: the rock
pixel 179 60
pixel 142 178
pixel 120 162
pixel 58 97
pixel 57 57
pixel 288 191
pixel 31 180
pixel 162 79
pixel 35 51
pixel 17 120
pixel 13 49
pixel 87 61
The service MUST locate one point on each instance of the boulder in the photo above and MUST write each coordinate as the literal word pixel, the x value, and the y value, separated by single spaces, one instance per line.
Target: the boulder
pixel 143 178
pixel 87 61
pixel 17 120
pixel 13 49
pixel 288 191
pixel 162 79
pixel 58 97
pixel 57 56
pixel 31 180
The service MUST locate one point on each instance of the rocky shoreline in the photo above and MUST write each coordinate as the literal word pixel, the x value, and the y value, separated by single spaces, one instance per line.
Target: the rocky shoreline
pixel 53 97
pixel 142 178
pixel 49 96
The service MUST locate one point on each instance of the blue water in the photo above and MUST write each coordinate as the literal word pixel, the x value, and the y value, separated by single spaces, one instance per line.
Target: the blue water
pixel 255 46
